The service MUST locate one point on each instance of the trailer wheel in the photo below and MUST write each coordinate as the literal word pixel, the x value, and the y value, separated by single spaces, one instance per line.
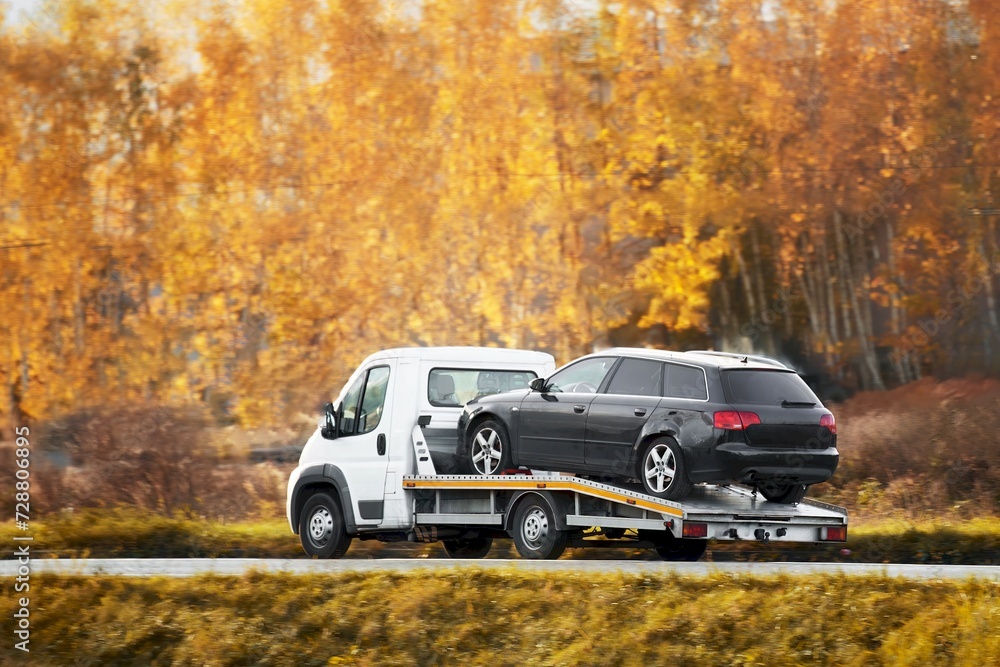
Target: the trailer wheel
pixel 322 529
pixel 535 533
pixel 783 493
pixel 473 547
pixel 681 550
pixel 489 448
pixel 663 471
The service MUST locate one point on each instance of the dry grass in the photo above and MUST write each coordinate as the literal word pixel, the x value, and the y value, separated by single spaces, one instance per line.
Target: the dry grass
pixel 510 618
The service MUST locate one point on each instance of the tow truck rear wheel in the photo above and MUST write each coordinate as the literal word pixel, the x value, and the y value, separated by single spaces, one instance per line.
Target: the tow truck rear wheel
pixel 535 533
pixel 783 493
pixel 681 550
pixel 322 529
pixel 472 547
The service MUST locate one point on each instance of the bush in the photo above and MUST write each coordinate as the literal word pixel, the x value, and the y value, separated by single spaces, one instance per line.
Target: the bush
pixel 923 448
pixel 150 457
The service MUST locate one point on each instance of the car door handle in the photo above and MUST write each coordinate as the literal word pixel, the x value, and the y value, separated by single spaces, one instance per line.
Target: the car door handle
pixel 639 412
pixel 380 444
pixel 579 409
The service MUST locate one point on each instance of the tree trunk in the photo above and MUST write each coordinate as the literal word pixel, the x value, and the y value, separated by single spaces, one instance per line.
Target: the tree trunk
pixel 863 326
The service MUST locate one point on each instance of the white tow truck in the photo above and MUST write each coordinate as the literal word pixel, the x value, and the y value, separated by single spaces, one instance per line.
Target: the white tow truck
pixel 382 465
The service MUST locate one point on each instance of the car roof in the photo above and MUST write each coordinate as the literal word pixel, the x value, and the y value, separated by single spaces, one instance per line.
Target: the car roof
pixel 700 357
pixel 464 354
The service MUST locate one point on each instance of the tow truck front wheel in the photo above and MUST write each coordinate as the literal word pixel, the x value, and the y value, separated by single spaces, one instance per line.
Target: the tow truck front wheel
pixel 322 529
pixel 535 533
pixel 472 547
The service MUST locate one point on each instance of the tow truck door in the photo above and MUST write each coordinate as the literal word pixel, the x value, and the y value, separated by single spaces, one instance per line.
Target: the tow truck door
pixel 361 447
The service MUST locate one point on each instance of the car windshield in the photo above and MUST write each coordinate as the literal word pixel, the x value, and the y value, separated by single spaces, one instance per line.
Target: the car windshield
pixel 766 387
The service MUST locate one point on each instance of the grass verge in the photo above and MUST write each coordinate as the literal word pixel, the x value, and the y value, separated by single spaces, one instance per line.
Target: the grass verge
pixel 127 533
pixel 510 618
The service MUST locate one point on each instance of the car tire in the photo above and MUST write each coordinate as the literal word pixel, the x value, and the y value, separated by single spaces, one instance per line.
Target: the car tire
pixel 681 550
pixel 489 448
pixel 468 548
pixel 662 470
pixel 786 494
pixel 534 531
pixel 322 529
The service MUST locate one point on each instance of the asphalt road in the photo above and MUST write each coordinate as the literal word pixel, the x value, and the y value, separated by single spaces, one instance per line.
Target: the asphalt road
pixel 189 567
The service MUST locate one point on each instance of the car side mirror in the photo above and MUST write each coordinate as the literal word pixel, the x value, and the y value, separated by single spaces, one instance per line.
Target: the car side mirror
pixel 328 423
pixel 538 384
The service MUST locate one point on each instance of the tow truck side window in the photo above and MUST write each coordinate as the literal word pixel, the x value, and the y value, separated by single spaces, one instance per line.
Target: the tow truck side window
pixel 374 399
pixel 362 408
pixel 454 387
pixel 349 408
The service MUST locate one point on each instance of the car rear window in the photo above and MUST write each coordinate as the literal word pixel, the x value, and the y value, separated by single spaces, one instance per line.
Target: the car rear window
pixel 454 387
pixel 766 387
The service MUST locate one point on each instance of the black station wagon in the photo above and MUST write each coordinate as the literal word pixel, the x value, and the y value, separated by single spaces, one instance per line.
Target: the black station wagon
pixel 667 420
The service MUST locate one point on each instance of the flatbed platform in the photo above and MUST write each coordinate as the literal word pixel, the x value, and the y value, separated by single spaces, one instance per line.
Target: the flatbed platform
pixel 719 512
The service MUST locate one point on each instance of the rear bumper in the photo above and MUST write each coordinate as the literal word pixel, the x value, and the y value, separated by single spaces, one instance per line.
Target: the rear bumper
pixel 747 465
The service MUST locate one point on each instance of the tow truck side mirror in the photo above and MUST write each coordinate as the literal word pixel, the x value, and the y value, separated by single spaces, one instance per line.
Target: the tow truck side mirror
pixel 328 423
pixel 537 384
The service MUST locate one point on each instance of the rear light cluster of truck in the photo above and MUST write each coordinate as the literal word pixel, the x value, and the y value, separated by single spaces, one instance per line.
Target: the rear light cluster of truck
pixel 833 534
pixel 694 529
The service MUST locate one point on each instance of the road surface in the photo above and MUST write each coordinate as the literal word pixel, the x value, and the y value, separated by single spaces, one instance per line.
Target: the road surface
pixel 189 567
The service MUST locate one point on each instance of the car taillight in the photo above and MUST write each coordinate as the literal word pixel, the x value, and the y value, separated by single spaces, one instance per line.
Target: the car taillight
pixel 731 420
pixel 829 422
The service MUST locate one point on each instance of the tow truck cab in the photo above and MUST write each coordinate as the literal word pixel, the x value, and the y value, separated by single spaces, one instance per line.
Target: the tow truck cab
pixel 390 393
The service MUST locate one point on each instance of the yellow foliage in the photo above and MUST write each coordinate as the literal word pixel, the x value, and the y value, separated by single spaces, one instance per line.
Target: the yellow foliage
pixel 250 197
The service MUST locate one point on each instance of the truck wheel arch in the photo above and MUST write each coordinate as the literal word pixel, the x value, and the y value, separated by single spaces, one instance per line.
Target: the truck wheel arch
pixel 319 478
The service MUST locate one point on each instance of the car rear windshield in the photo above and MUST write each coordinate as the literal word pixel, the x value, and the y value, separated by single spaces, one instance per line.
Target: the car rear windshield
pixel 454 387
pixel 766 387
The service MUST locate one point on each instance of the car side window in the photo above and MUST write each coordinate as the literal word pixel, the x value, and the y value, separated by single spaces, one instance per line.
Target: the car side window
pixel 349 408
pixel 637 377
pixel 686 382
pixel 374 399
pixel 582 377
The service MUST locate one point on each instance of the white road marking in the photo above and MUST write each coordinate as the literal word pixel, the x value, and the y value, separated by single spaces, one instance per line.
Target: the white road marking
pixel 189 567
